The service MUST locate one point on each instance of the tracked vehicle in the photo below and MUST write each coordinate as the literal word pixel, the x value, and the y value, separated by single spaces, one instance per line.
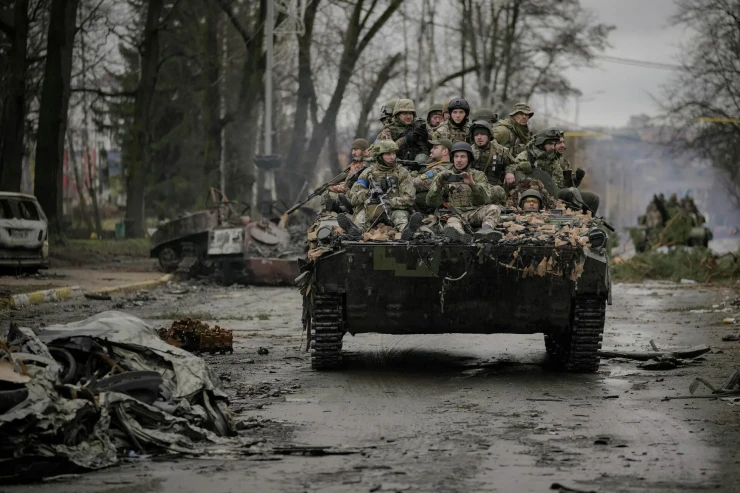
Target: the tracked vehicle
pixel 549 274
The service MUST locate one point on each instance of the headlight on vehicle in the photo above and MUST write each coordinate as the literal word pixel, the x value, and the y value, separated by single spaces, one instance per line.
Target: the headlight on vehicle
pixel 597 237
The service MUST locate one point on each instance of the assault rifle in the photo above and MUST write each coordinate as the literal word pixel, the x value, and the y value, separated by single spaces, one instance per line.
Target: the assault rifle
pixel 323 188
pixel 377 195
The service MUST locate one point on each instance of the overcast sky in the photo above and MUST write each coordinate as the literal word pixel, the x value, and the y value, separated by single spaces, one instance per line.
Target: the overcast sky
pixel 613 92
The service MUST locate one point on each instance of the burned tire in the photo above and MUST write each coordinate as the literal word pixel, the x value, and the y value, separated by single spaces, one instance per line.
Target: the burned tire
pixel 327 330
pixel 169 259
pixel 577 347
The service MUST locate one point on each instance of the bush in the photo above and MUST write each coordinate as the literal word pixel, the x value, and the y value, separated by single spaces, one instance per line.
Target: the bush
pixel 698 264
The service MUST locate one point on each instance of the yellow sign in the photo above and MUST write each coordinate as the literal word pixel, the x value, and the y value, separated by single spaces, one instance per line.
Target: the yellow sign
pixel 584 134
pixel 718 119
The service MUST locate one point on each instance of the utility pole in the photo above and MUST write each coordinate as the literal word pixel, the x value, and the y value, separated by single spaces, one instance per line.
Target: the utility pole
pixel 222 104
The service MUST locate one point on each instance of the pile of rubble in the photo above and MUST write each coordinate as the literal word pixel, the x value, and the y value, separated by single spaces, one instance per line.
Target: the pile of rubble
pixel 198 337
pixel 78 396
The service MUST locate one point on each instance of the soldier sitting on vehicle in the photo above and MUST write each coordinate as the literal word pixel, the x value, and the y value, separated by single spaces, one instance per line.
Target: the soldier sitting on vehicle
pixel 440 155
pixel 486 114
pixel 434 118
pixel 530 201
pixel 589 198
pixel 466 197
pixel 408 132
pixel 490 157
pixel 383 192
pixel 540 154
pixel 334 199
pixel 513 132
pixel 524 187
pixel 386 111
pixel 457 127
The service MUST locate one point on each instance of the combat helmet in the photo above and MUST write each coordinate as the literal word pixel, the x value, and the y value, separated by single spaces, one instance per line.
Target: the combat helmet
pixel 547 135
pixel 530 193
pixel 462 146
pixel 384 146
pixel 486 114
pixel 386 111
pixel 458 104
pixel 435 108
pixel 404 105
pixel 481 124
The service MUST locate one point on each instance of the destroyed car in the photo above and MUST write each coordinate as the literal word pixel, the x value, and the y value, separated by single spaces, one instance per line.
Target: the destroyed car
pixel 549 273
pixel 24 241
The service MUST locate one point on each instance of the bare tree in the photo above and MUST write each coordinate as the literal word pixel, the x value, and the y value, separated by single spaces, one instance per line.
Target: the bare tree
pixel 703 103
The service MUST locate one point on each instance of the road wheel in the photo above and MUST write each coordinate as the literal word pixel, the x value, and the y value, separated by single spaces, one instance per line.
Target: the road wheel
pixel 578 345
pixel 327 330
pixel 169 259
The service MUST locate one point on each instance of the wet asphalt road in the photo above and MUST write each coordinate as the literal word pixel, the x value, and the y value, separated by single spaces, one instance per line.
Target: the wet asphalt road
pixel 451 412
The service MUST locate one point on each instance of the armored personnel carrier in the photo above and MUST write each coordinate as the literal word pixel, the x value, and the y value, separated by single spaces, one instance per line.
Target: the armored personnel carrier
pixel 548 274
pixel 670 222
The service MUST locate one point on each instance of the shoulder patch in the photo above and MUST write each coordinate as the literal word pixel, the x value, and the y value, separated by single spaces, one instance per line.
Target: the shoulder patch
pixel 430 174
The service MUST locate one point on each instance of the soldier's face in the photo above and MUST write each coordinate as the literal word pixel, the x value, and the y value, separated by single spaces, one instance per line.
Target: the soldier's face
pixel 550 146
pixel 357 154
pixel 389 157
pixel 461 160
pixel 531 205
pixel 457 115
pixel 560 146
pixel 406 117
pixel 436 152
pixel 481 139
pixel 435 119
pixel 521 118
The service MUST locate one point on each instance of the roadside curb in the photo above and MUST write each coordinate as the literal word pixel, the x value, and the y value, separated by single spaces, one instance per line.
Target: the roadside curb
pixel 17 301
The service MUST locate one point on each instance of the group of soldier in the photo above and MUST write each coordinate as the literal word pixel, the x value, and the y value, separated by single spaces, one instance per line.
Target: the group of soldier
pixel 459 164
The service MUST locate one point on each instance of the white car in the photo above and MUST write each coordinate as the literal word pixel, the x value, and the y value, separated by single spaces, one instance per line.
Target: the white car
pixel 24 237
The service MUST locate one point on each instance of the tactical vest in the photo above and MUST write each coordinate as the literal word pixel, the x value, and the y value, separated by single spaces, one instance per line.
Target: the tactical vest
pixel 449 130
pixel 408 151
pixel 458 195
pixel 489 162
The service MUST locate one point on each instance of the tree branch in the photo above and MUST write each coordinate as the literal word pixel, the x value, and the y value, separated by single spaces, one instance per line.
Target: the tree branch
pixel 224 4
pixel 105 94
pixel 379 22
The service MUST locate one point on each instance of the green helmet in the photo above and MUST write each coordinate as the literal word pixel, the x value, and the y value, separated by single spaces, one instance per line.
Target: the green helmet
pixel 530 193
pixel 385 146
pixel 486 114
pixel 435 108
pixel 547 135
pixel 481 124
pixel 386 111
pixel 404 105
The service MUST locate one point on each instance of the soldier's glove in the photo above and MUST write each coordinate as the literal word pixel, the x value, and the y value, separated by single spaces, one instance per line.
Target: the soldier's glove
pixel 525 167
pixel 579 176
pixel 411 138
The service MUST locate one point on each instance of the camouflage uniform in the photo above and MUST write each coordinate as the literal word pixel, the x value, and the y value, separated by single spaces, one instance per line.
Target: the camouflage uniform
pixel 491 159
pixel 548 162
pixel 476 204
pixel 450 130
pixel 334 191
pixel 399 199
pixel 591 199
pixel 400 132
pixel 510 134
pixel 435 108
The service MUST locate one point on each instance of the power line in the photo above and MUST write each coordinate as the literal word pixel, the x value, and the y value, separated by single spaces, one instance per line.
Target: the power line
pixel 640 63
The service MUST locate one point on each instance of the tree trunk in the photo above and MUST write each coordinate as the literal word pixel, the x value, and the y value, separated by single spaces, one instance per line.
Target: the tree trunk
pixel 92 190
pixel 72 163
pixel 384 75
pixel 52 126
pixel 144 94
pixel 212 147
pixel 14 107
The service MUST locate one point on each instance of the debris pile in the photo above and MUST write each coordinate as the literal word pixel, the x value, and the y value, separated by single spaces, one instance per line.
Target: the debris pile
pixel 79 396
pixel 198 337
pixel 657 359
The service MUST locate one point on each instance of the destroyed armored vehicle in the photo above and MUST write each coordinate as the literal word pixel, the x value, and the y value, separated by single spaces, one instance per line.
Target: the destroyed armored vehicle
pixel 549 274
pixel 670 222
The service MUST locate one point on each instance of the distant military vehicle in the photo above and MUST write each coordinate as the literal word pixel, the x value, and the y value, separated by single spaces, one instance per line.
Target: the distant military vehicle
pixel 548 274
pixel 669 223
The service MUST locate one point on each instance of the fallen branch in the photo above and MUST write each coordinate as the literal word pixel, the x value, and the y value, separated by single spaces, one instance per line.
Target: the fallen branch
pixel 690 353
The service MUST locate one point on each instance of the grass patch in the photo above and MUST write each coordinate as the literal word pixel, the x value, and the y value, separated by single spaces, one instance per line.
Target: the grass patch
pixel 698 264
pixel 132 247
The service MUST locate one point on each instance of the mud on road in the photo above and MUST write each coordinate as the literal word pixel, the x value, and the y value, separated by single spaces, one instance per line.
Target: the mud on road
pixel 448 413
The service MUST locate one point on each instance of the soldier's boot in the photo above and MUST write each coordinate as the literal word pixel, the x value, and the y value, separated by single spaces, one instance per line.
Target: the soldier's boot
pixel 487 233
pixel 415 222
pixel 456 236
pixel 345 204
pixel 353 231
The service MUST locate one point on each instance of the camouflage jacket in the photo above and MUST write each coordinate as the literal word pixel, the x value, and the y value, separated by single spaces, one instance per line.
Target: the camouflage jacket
pixel 397 130
pixel 400 196
pixel 538 158
pixel 464 197
pixel 343 187
pixel 424 179
pixel 511 135
pixel 448 130
pixel 492 160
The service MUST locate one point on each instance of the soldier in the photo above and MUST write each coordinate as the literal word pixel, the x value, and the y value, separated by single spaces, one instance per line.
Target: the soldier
pixel 397 194
pixel 513 132
pixel 335 197
pixel 386 111
pixel 457 127
pixel 490 157
pixel 589 198
pixel 470 198
pixel 486 114
pixel 434 118
pixel 409 133
pixel 541 154
pixel 440 156
pixel 530 201
pixel 445 111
